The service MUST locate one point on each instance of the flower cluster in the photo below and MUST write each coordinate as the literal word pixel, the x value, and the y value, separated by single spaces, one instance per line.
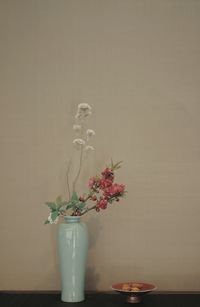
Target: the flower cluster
pixel 105 186
pixel 83 135
pixel 102 189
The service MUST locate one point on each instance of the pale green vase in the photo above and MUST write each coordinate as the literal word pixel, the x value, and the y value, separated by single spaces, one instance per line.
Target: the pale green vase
pixel 72 252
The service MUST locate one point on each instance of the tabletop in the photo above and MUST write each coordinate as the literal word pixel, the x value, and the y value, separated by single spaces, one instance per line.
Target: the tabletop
pixel 99 299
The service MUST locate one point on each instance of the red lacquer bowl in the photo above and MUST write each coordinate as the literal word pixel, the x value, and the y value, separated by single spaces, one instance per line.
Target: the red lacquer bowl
pixel 134 290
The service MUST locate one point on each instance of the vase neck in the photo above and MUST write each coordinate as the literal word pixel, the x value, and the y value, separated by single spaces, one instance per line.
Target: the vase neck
pixel 72 219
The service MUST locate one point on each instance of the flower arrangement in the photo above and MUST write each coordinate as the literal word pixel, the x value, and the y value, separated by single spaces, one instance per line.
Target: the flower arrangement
pixel 102 189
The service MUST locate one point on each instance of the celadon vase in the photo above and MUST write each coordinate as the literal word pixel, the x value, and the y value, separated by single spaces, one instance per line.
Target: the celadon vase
pixel 72 253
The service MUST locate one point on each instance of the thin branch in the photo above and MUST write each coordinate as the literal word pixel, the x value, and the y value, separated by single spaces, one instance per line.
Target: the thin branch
pixel 88 209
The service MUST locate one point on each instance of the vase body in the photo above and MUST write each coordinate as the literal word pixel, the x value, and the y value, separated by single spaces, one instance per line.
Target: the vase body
pixel 72 252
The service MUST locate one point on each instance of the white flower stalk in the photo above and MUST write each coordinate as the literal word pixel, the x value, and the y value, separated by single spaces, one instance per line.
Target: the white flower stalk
pixel 90 133
pixel 78 143
pixel 89 148
pixel 77 128
pixel 84 110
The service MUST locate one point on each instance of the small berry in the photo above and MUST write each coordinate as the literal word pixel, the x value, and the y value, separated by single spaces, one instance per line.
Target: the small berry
pixel 94 198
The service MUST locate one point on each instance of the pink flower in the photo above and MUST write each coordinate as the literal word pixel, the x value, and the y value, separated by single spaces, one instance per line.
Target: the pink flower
pixel 105 183
pixel 102 203
pixel 93 183
pixel 108 174
pixel 114 190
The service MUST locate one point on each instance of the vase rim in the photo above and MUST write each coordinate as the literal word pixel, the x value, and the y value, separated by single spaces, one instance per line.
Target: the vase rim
pixel 72 219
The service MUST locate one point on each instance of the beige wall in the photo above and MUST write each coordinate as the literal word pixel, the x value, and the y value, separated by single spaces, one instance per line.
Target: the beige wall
pixel 138 64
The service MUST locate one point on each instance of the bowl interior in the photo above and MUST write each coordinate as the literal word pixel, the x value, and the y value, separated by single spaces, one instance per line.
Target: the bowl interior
pixel 133 286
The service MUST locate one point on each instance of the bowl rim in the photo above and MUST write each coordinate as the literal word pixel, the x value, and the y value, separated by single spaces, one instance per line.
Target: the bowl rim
pixel 153 287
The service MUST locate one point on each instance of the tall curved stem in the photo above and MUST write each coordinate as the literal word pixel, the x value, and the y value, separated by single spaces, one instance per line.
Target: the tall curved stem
pixel 79 169
pixel 67 173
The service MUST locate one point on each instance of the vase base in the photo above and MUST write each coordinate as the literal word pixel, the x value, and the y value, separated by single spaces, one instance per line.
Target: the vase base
pixel 72 300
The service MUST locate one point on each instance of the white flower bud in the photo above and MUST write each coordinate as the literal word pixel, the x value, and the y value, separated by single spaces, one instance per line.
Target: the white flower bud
pixel 84 110
pixel 83 107
pixel 89 148
pixel 78 143
pixel 90 132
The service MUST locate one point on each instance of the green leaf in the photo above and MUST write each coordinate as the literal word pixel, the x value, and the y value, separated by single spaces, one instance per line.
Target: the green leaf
pixel 46 222
pixel 74 197
pixel 54 215
pixel 70 205
pixel 112 164
pixel 63 205
pixel 80 205
pixel 57 205
pixel 117 165
pixel 51 205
